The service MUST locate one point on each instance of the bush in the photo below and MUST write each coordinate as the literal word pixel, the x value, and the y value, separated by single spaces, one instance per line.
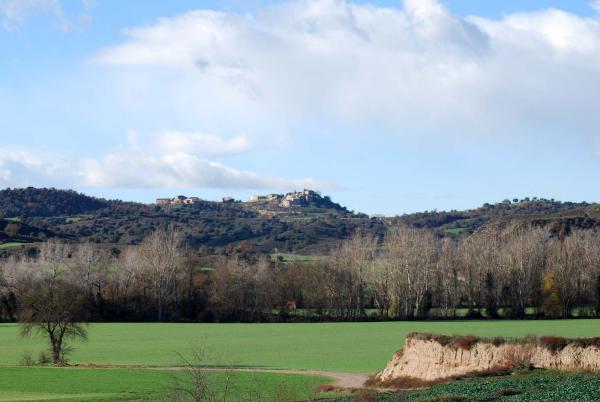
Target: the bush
pixel 498 341
pixel 44 358
pixel 465 342
pixel 585 343
pixel 517 356
pixel 421 336
pixel 553 343
pixel 528 339
pixel 27 360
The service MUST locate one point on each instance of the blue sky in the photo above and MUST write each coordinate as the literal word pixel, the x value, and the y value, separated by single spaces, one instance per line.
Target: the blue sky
pixel 388 106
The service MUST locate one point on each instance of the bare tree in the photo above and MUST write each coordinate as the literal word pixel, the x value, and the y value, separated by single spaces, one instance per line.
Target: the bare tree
pixel 447 273
pixel 200 384
pixel 53 310
pixel 523 261
pixel 412 257
pixel 566 259
pixel 160 257
pixel 356 257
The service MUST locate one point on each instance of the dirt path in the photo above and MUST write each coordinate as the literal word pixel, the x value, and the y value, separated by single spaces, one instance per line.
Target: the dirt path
pixel 344 381
pixel 341 380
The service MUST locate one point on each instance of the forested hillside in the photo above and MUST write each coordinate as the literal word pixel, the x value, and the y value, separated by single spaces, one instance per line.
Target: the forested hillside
pixel 315 226
pixel 29 202
pixel 219 227
pixel 534 210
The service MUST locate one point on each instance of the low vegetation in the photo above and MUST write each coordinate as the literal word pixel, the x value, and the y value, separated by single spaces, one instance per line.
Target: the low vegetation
pixel 537 385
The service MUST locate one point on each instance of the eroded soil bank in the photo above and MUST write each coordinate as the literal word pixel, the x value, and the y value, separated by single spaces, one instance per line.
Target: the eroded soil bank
pixel 429 358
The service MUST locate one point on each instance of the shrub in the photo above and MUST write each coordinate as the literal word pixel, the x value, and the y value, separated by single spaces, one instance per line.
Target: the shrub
pixel 465 342
pixel 517 356
pixel 498 341
pixel 44 358
pixel 422 336
pixel 584 343
pixel 27 360
pixel 553 343
pixel 529 339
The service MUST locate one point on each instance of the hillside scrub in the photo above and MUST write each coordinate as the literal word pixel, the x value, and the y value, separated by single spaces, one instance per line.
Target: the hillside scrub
pixel 466 342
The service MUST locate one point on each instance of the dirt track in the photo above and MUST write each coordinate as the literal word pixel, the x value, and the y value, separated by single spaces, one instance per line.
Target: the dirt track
pixel 341 380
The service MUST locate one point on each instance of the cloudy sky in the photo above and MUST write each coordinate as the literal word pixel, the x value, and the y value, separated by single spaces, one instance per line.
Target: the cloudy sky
pixel 390 106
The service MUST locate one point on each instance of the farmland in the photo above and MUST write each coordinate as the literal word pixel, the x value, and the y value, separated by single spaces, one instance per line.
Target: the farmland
pixel 530 386
pixel 19 383
pixel 343 347
pixel 339 347
pixel 534 385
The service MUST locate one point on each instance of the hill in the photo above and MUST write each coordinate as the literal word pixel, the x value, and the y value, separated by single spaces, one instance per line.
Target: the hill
pixel 309 223
pixel 543 212
pixel 28 202
pixel 299 222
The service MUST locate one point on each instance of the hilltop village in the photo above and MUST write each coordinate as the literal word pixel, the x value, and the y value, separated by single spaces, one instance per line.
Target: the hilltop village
pixel 289 200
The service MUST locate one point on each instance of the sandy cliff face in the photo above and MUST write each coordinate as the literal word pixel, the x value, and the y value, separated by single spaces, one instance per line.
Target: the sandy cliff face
pixel 428 360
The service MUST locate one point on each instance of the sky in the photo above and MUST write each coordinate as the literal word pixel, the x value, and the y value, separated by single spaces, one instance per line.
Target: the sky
pixel 388 106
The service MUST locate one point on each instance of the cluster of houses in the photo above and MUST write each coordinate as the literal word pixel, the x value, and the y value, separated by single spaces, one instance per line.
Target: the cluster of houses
pixel 289 200
pixel 294 199
pixel 179 200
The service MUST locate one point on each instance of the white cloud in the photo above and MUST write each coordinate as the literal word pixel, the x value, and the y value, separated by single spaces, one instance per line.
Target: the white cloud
pixel 417 68
pixel 200 143
pixel 166 160
pixel 15 12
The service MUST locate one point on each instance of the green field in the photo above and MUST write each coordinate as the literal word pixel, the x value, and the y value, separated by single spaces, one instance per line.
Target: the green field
pixel 456 230
pixel 342 347
pixel 72 384
pixel 11 245
pixel 297 257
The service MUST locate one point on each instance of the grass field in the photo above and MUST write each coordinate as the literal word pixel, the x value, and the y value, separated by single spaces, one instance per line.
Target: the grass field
pixel 297 257
pixel 343 347
pixel 456 230
pixel 68 384
pixel 10 245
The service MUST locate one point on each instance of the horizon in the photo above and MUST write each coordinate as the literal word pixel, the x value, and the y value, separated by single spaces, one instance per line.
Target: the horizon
pixel 340 202
pixel 389 107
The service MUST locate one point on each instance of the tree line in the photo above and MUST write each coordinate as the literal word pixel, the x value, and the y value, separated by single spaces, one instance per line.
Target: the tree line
pixel 517 272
